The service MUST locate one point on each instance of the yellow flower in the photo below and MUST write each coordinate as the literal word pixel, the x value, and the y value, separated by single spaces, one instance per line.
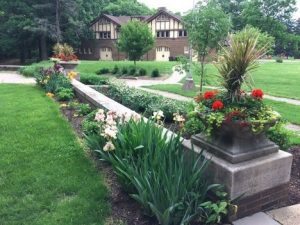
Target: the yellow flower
pixel 63 105
pixel 72 75
pixel 50 95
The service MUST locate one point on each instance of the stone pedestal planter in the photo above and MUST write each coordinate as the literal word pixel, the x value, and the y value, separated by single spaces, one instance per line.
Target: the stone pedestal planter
pixel 262 182
pixel 68 65
pixel 236 143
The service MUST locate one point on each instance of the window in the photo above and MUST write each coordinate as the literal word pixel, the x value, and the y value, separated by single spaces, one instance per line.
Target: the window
pixel 84 51
pixel 79 51
pixel 163 34
pixel 89 51
pixel 162 49
pixel 182 33
pixel 103 35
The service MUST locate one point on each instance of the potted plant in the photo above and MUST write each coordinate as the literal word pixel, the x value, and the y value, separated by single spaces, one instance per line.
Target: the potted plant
pixel 64 56
pixel 236 121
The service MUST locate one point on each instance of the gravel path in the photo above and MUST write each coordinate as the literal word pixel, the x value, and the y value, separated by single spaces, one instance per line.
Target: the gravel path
pixel 14 78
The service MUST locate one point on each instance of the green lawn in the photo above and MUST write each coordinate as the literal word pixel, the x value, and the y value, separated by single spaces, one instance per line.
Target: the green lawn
pixel 288 111
pixel 278 79
pixel 165 68
pixel 45 176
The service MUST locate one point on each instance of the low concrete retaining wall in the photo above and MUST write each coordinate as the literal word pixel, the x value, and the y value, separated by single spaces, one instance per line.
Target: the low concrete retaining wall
pixel 262 181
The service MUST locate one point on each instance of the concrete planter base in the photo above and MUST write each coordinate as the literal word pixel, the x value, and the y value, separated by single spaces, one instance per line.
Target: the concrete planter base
pixel 235 143
pixel 257 180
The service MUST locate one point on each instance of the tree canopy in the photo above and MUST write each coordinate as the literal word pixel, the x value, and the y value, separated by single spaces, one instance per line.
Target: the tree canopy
pixel 135 39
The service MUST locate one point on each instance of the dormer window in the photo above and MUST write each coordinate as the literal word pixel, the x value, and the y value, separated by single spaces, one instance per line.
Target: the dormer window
pixel 182 33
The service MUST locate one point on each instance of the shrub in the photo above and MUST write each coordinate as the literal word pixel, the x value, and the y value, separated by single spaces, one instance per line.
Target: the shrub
pixel 142 72
pixel 65 94
pixel 132 71
pixel 90 127
pixel 103 71
pixel 145 102
pixel 166 181
pixel 279 60
pixel 193 126
pixel 30 71
pixel 115 70
pixel 92 79
pixel 280 136
pixel 155 73
pixel 124 70
pixel 84 109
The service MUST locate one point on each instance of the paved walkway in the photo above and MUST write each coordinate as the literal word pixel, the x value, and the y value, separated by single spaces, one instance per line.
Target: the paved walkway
pixel 14 78
pixel 175 78
pixel 285 216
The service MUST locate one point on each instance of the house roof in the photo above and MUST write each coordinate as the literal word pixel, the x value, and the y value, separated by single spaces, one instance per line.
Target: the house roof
pixel 120 20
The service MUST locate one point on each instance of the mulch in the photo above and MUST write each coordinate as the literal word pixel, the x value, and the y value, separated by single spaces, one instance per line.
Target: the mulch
pixel 124 208
pixel 294 187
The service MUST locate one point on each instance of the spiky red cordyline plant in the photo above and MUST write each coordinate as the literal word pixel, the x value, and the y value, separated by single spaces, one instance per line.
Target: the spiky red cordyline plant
pixel 238 60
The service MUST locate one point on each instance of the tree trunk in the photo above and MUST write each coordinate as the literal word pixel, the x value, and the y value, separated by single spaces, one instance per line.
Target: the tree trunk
pixel 22 54
pixel 43 47
pixel 57 22
pixel 202 72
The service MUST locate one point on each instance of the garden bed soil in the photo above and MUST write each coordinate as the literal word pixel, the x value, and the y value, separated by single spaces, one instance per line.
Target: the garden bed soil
pixel 294 187
pixel 124 208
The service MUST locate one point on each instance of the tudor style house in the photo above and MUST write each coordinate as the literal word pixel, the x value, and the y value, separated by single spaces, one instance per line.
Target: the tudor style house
pixel 167 28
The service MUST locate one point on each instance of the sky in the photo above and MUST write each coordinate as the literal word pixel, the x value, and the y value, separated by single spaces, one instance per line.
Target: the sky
pixel 184 5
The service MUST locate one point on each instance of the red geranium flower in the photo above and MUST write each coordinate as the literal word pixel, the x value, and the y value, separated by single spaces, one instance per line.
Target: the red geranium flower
pixel 217 105
pixel 209 95
pixel 257 93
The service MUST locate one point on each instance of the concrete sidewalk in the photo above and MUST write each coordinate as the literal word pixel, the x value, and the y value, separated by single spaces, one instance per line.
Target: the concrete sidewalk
pixel 14 78
pixel 285 216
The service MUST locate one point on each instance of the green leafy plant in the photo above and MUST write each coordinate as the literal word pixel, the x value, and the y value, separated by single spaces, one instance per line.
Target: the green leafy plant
pixel 124 70
pixel 142 72
pixel 65 94
pixel 84 109
pixel 279 60
pixel 103 71
pixel 158 173
pixel 132 71
pixel 115 70
pixel 155 73
pixel 280 135
pixel 92 79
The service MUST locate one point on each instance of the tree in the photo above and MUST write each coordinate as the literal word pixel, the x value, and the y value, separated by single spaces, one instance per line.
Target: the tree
pixel 135 39
pixel 127 8
pixel 207 26
pixel 234 8
pixel 271 16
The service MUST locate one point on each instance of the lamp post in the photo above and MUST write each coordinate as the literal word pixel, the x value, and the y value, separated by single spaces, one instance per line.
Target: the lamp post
pixel 189 83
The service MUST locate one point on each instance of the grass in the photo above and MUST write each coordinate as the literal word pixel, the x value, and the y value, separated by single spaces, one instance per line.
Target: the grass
pixel 277 79
pixel 91 67
pixel 45 176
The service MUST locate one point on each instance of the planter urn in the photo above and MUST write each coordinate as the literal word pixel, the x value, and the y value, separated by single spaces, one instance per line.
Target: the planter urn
pixel 236 143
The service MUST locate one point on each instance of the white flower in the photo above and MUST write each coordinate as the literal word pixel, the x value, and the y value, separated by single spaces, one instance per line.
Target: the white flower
pixel 109 146
pixel 112 114
pixel 100 116
pixel 158 115
pixel 110 120
pixel 136 117
pixel 178 117
pixel 110 132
